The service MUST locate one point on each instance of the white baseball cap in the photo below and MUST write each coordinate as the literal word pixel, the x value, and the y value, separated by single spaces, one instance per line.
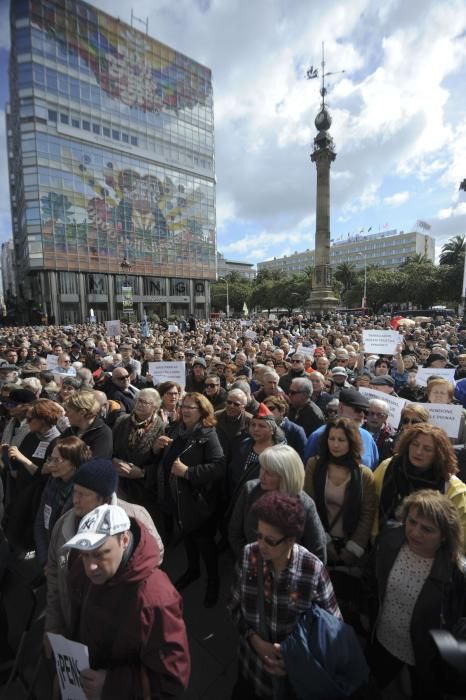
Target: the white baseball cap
pixel 97 526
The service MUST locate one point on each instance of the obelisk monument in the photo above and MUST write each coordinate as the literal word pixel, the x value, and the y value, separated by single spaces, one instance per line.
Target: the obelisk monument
pixel 322 297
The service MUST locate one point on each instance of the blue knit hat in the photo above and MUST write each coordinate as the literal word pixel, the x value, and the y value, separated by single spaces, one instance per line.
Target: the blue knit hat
pixel 99 475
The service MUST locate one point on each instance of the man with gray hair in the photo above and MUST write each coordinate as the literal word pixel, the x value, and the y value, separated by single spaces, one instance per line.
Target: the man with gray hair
pixel 270 387
pixel 233 420
pixel 376 424
pixel 303 410
pixel 252 405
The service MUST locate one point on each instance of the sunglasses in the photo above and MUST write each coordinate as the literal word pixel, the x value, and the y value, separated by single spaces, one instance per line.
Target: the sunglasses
pixel 269 540
pixel 211 385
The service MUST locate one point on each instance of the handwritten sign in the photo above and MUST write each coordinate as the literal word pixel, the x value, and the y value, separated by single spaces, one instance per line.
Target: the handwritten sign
pixel 250 334
pixel 113 328
pixel 172 328
pixel 168 371
pixel 380 342
pixel 395 404
pixel 70 659
pixel 446 416
pixel 52 362
pixel 424 373
pixel 308 351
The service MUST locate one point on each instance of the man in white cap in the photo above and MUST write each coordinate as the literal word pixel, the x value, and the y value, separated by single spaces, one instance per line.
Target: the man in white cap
pixel 125 610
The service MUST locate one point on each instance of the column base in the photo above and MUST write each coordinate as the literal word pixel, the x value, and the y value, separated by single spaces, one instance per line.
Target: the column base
pixel 322 299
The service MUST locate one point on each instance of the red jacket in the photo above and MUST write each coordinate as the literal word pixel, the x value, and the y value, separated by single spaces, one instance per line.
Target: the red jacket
pixel 134 620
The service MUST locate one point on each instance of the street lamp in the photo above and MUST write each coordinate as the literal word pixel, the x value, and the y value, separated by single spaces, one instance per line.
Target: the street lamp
pixel 126 290
pixel 222 279
pixel 364 298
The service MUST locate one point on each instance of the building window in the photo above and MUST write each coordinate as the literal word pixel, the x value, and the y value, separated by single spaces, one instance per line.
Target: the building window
pixel 52 115
pixel 134 140
pixel 124 137
pixel 106 131
pixel 115 135
pixel 67 283
pixel 96 128
pixel 154 286
pixel 75 123
pixel 86 125
pixel 64 118
pixel 179 288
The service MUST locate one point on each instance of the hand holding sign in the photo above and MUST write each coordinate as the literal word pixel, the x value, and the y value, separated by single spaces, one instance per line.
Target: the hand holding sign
pixel 93 683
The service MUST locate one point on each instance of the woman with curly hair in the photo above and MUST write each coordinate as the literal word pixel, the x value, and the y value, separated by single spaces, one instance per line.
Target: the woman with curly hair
pixel 418 585
pixel 190 476
pixel 424 459
pixel 27 480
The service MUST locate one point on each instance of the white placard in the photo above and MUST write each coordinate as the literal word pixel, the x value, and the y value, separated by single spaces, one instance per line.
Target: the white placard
pixel 306 351
pixel 446 416
pixel 70 659
pixel 379 342
pixel 52 361
pixel 172 328
pixel 424 373
pixel 41 449
pixel 250 334
pixel 165 371
pixel 245 323
pixel 113 328
pixel 395 404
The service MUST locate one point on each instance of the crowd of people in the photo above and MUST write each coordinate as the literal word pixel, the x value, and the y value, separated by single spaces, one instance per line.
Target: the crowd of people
pixel 265 448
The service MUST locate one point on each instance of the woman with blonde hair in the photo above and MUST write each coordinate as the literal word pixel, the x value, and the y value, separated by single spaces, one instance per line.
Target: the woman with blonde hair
pixel 419 585
pixel 82 410
pixel 424 458
pixel 281 469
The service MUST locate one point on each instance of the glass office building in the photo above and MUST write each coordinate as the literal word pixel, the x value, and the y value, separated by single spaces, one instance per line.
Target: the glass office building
pixel 111 157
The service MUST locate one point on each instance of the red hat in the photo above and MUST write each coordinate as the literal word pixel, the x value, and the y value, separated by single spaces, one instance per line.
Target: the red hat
pixel 264 412
pixel 319 351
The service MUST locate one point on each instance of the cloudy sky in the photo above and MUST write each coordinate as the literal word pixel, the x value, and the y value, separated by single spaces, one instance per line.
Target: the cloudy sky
pixel 399 118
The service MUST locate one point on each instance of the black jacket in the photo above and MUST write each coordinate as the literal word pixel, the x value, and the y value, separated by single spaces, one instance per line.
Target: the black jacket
pixel 98 437
pixel 440 604
pixel 194 499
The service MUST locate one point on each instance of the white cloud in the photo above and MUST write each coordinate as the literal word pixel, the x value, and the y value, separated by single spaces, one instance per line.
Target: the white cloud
pixel 395 200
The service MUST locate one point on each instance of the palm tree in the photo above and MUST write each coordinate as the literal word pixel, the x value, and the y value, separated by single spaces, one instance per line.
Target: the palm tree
pixel 453 251
pixel 416 259
pixel 346 274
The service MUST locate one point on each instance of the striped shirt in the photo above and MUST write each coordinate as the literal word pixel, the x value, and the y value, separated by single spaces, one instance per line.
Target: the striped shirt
pixel 287 595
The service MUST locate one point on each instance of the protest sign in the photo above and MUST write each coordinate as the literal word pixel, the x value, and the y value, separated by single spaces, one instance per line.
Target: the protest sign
pixel 395 404
pixel 70 659
pixel 113 328
pixel 380 342
pixel 52 362
pixel 173 328
pixel 164 371
pixel 245 323
pixel 250 334
pixel 446 416
pixel 424 373
pixel 306 350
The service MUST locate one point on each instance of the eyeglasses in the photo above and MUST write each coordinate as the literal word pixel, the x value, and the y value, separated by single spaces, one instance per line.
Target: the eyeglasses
pixel 233 403
pixel 410 421
pixel 269 540
pixel 144 403
pixel 211 385
pixel 376 414
pixel 54 460
pixel 292 392
pixel 295 362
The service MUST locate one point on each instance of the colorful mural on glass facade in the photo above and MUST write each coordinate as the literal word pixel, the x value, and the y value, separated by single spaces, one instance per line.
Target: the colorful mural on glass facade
pixel 100 209
pixel 123 61
pixel 125 163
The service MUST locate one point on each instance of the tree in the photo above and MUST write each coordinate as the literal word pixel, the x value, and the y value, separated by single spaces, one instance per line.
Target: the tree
pixel 453 251
pixel 416 258
pixel 346 274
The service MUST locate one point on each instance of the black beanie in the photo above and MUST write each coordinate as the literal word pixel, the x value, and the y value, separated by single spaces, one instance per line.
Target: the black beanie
pixel 99 475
